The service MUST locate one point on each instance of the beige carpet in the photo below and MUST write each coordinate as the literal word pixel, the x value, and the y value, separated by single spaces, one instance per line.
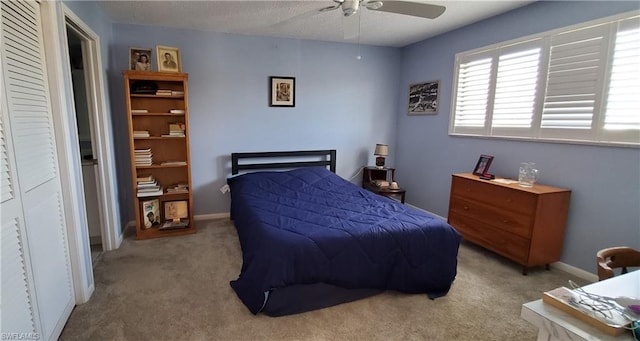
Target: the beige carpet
pixel 178 289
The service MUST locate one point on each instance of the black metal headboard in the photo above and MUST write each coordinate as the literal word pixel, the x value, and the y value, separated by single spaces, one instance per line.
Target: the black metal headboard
pixel 329 155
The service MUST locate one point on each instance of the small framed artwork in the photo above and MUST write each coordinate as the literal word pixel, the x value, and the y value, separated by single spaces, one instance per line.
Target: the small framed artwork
pixel 283 92
pixel 176 210
pixel 151 213
pixel 423 98
pixel 168 59
pixel 139 59
pixel 482 167
pixel 176 214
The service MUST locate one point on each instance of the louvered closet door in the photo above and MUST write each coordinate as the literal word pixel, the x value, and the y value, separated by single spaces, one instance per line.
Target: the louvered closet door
pixel 37 292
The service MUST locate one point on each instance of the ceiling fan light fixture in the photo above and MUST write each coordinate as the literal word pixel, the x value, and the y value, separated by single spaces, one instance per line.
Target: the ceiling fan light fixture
pixel 350 7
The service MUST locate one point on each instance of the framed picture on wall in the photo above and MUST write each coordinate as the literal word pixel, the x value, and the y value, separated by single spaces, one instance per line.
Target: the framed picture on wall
pixel 139 59
pixel 423 98
pixel 283 92
pixel 168 59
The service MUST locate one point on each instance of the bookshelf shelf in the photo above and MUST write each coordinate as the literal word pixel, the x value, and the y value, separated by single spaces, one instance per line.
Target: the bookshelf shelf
pixel 149 117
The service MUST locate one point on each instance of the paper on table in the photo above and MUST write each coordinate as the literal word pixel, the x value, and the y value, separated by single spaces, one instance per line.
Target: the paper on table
pixel 505 181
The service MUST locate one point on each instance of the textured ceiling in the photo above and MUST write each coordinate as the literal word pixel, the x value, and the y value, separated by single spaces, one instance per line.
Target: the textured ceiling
pixel 302 20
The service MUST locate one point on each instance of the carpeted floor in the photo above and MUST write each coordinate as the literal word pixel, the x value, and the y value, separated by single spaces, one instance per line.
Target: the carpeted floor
pixel 178 289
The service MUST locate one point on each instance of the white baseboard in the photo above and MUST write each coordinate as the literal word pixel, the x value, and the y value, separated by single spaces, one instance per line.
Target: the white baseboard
pixel 586 275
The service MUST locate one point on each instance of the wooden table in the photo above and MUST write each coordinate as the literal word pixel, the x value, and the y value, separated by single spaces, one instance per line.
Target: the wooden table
pixel 555 324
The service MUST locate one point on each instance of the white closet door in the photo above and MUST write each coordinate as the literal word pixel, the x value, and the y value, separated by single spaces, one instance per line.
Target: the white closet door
pixel 39 220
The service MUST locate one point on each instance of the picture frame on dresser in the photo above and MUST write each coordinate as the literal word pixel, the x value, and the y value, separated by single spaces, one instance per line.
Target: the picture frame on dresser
pixel 483 164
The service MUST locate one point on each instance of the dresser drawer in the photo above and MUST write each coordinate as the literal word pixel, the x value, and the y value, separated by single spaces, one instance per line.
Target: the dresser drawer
pixel 508 221
pixel 494 195
pixel 507 244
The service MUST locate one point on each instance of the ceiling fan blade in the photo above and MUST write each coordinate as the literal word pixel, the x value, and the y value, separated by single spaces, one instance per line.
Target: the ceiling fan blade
pixel 298 17
pixel 415 9
pixel 351 26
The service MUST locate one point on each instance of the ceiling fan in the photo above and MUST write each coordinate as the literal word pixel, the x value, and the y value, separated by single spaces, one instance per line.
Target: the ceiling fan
pixel 416 9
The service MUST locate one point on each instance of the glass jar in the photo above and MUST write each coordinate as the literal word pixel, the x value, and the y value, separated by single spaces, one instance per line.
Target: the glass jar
pixel 527 175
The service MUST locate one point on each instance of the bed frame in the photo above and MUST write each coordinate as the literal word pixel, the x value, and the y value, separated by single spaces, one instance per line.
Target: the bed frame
pixel 329 156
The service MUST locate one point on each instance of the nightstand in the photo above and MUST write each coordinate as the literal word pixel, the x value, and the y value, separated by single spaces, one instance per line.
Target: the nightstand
pixel 371 174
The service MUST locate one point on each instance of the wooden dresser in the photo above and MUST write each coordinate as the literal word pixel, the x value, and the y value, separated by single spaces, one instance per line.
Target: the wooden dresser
pixel 523 224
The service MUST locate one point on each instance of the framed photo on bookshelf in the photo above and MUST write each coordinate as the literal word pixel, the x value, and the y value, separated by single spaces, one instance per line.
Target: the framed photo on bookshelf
pixel 168 59
pixel 176 214
pixel 151 213
pixel 140 59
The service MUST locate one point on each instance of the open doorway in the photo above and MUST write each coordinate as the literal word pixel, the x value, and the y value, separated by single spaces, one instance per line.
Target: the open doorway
pixel 85 125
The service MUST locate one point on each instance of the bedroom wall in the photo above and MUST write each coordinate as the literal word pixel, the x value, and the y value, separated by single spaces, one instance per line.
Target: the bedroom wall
pixel 341 103
pixel 605 181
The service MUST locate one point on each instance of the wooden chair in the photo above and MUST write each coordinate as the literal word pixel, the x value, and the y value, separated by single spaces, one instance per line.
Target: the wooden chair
pixel 616 257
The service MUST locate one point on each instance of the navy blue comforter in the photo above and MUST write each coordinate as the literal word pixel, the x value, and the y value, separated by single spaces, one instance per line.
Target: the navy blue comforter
pixel 311 226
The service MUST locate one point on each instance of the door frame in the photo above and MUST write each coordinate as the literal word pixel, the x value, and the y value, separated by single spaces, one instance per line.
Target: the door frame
pixel 55 16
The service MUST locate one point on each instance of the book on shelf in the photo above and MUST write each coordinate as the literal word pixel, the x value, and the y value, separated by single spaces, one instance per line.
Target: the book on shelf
pixel 163 92
pixel 174 163
pixel 177 93
pixel 145 178
pixel 151 213
pixel 150 192
pixel 153 184
pixel 173 224
pixel 141 133
pixel 139 111
pixel 176 111
pixel 178 188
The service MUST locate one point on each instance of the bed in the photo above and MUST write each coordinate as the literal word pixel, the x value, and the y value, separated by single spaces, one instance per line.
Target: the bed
pixel 311 239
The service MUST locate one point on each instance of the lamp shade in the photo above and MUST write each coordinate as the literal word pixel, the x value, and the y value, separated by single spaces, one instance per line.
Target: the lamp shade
pixel 381 150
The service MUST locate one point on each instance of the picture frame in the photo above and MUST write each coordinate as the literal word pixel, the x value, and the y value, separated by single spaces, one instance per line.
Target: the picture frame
pixel 176 210
pixel 283 91
pixel 423 98
pixel 482 167
pixel 140 59
pixel 151 213
pixel 168 59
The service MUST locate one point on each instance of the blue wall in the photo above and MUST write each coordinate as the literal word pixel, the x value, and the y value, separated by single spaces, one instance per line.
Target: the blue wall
pixel 341 103
pixel 605 181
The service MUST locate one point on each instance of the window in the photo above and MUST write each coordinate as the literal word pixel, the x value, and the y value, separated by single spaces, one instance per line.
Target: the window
pixel 579 84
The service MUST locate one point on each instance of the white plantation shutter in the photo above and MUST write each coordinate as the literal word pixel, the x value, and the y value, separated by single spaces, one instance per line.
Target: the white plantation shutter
pixel 622 111
pixel 473 85
pixel 516 85
pixel 574 84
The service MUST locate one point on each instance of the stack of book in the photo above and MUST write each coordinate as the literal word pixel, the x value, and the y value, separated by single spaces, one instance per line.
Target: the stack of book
pixel 177 93
pixel 177 111
pixel 163 92
pixel 148 186
pixel 144 157
pixel 139 111
pixel 176 129
pixel 178 188
pixel 140 133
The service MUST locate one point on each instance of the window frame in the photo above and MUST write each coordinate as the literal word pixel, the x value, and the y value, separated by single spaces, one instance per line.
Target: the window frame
pixel 597 134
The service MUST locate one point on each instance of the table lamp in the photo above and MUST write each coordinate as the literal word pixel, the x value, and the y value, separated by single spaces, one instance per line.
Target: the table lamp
pixel 381 151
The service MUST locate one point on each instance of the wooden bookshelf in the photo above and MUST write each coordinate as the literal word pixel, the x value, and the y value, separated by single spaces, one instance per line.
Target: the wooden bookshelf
pixel 150 112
